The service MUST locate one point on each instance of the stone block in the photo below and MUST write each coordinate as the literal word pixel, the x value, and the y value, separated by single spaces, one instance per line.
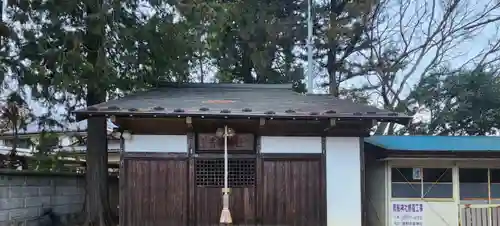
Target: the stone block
pixel 61 200
pixel 66 181
pixel 42 201
pixel 46 191
pixel 82 198
pixel 66 190
pixel 38 181
pixel 32 223
pixel 4 215
pixel 11 203
pixel 17 192
pixel 81 183
pixel 24 213
pixel 66 199
pixel 65 219
pixel 4 192
pixel 78 199
pixel 7 180
pixel 63 209
pixel 80 190
pixel 75 208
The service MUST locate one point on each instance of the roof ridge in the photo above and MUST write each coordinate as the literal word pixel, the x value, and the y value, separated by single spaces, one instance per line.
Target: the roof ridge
pixel 225 85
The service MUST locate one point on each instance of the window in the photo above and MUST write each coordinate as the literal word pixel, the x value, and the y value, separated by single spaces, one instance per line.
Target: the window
pixel 21 143
pixel 437 183
pixel 404 185
pixel 210 172
pixel 495 183
pixel 476 185
pixel 421 183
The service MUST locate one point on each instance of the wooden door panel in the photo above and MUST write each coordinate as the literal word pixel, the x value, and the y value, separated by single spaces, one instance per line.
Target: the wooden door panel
pixel 154 193
pixel 209 205
pixel 291 192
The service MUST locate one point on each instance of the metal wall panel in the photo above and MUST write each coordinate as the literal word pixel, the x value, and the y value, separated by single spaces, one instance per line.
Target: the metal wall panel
pixel 495 216
pixel 480 215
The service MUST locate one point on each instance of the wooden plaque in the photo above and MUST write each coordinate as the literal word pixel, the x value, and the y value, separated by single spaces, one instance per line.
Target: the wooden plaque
pixel 240 142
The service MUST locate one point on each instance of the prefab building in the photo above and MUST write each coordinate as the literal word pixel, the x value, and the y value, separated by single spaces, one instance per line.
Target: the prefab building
pixel 433 180
pixel 294 159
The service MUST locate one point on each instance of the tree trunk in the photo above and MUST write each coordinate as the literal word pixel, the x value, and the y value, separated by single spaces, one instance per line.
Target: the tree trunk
pixel 246 64
pixel 332 71
pixel 331 61
pixel 13 152
pixel 97 203
pixel 202 72
pixel 1 23
pixel 289 58
pixel 97 200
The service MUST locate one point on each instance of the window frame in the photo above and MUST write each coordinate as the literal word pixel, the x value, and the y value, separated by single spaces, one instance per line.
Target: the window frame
pixel 489 199
pixel 420 184
pixel 497 199
pixel 209 172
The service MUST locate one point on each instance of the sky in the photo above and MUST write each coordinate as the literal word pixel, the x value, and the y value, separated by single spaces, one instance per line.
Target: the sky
pixel 462 48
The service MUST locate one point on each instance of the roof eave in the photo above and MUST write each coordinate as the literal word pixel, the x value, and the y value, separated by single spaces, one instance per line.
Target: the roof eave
pixel 403 120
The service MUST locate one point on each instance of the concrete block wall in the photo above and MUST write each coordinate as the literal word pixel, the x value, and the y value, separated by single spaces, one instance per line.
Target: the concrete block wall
pixel 23 197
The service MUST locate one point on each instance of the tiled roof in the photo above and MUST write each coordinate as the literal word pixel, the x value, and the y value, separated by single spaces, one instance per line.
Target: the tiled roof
pixel 237 100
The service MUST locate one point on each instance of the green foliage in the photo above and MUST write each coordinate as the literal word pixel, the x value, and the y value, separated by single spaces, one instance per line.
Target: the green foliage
pixel 340 29
pixel 119 47
pixel 14 116
pixel 110 46
pixel 249 41
pixel 47 141
pixel 55 162
pixel 459 103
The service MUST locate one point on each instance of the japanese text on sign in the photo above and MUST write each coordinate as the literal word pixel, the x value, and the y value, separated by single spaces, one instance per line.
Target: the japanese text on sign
pixel 407 214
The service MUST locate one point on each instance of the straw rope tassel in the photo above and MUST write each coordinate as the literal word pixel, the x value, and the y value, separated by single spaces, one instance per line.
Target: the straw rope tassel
pixel 225 216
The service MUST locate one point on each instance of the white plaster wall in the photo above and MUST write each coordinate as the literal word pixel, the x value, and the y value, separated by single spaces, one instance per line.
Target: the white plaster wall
pixel 67 142
pixel 157 143
pixel 291 145
pixel 441 213
pixel 343 181
pixel 376 199
pixel 112 147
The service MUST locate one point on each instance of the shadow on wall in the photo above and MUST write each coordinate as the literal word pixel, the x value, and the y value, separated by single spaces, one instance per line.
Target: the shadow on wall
pixel 49 218
pixel 36 198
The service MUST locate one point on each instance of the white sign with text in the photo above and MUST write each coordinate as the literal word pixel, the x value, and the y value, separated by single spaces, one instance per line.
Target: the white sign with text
pixel 406 213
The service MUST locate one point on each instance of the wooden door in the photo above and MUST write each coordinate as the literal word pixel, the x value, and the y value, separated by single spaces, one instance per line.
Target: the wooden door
pixel 153 192
pixel 292 192
pixel 209 178
pixel 208 191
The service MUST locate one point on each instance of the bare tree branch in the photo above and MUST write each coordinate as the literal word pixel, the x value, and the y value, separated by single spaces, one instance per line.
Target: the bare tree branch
pixel 415 38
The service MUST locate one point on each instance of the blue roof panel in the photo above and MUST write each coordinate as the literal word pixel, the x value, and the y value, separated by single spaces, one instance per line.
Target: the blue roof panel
pixel 436 143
